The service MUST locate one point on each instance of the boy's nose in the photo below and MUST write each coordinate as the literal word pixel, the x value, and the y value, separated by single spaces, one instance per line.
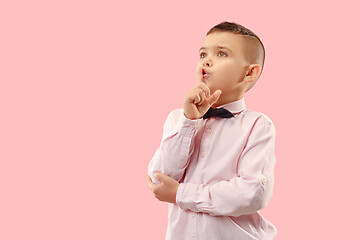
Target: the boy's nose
pixel 207 63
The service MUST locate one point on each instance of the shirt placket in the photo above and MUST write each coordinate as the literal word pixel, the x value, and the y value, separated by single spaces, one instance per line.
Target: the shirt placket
pixel 202 154
pixel 204 145
pixel 192 226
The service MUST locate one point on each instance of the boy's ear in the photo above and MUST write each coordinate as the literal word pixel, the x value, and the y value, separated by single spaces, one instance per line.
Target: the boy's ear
pixel 253 72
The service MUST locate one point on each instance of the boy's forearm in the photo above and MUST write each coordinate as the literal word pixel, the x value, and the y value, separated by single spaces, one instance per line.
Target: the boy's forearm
pixel 173 155
pixel 169 161
pixel 225 198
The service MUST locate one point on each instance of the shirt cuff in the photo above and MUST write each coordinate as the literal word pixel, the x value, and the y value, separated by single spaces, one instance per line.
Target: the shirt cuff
pixel 185 196
pixel 187 127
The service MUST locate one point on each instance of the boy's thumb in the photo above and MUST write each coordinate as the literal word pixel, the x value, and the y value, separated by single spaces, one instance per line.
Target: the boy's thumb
pixel 215 96
pixel 161 177
pixel 158 176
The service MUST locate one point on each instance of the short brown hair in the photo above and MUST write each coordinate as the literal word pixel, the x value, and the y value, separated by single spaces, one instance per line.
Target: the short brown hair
pixel 258 47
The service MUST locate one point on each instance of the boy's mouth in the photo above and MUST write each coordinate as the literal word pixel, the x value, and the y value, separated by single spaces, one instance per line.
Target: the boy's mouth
pixel 205 74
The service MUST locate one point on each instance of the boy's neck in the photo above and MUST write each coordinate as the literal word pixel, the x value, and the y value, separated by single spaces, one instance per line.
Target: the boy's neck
pixel 226 101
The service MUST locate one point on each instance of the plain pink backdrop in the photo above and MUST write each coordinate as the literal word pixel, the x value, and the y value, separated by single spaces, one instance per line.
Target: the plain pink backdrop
pixel 86 87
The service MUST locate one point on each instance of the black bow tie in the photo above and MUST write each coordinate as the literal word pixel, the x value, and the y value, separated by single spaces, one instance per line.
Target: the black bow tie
pixel 218 112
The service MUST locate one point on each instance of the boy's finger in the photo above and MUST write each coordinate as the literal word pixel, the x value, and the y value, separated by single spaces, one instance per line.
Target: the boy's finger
pixel 150 183
pixel 161 177
pixel 215 97
pixel 198 74
pixel 205 88
pixel 197 98
pixel 158 176
pixel 201 102
pixel 201 95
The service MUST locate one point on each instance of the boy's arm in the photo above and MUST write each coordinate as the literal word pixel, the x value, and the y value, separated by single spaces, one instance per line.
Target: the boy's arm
pixel 177 144
pixel 245 194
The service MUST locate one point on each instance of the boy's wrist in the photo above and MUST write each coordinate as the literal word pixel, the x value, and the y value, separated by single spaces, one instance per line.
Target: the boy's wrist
pixel 177 196
pixel 190 118
pixel 188 127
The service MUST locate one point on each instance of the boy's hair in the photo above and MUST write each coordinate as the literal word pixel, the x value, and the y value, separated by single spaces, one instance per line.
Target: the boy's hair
pixel 254 50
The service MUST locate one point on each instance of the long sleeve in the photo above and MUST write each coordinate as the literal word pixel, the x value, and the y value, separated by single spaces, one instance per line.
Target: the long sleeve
pixel 246 193
pixel 177 144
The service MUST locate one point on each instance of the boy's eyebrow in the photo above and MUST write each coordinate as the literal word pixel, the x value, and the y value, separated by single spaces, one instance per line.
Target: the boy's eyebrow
pixel 220 47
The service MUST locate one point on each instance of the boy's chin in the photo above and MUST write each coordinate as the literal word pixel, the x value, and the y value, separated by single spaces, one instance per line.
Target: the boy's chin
pixel 203 81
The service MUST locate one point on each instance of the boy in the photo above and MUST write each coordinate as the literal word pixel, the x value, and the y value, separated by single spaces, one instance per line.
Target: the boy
pixel 215 163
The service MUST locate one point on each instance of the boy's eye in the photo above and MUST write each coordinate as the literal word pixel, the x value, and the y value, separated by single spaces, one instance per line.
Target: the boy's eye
pixel 220 54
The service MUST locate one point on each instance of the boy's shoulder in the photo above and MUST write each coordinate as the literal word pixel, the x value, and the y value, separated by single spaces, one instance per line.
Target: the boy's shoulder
pixel 256 116
pixel 174 115
pixel 176 112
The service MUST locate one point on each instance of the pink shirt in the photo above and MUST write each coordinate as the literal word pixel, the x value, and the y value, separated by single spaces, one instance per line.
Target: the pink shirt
pixel 225 167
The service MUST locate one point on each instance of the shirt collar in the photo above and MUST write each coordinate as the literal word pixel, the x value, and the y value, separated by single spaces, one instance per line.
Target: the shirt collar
pixel 235 106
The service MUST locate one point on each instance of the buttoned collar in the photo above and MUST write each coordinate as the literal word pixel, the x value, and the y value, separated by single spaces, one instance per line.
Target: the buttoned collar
pixel 235 106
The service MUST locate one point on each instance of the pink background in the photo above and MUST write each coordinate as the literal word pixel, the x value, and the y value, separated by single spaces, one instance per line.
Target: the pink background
pixel 86 87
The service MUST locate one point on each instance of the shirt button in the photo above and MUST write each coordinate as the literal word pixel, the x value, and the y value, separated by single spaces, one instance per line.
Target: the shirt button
pixel 203 154
pixel 263 182
pixel 192 215
pixel 208 130
pixel 192 126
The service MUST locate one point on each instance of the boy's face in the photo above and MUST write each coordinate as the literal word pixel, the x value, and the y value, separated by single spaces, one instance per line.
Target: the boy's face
pixel 222 58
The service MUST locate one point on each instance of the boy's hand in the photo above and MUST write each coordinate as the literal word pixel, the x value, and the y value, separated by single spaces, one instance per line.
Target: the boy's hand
pixel 166 190
pixel 198 101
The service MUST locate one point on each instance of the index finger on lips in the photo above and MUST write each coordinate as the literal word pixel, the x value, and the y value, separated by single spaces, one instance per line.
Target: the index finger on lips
pixel 199 74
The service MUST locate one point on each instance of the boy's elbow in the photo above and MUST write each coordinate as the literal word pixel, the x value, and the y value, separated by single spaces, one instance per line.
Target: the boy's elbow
pixel 256 202
pixel 259 202
pixel 262 197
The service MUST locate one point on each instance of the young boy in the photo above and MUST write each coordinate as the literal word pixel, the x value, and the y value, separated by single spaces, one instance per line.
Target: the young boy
pixel 215 163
